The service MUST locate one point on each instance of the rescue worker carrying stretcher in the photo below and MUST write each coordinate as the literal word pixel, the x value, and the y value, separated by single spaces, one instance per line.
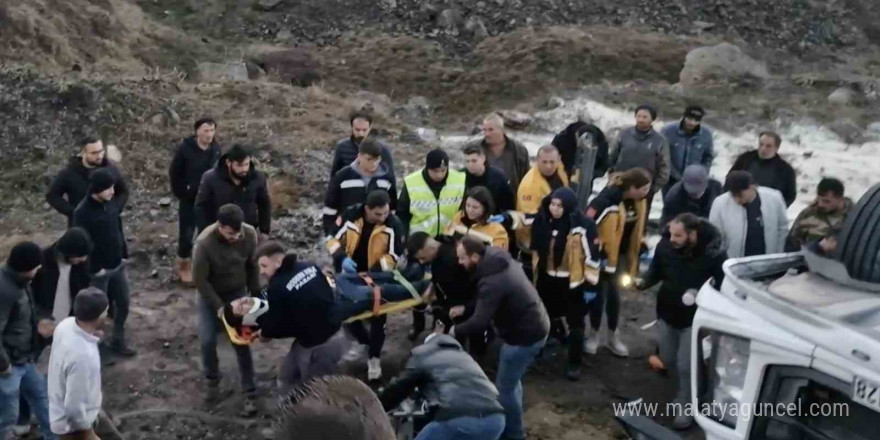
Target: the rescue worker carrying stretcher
pixel 368 238
pixel 302 302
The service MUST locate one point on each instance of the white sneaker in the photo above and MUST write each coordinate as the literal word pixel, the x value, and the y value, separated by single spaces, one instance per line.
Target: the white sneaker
pixel 616 345
pixel 374 369
pixel 21 430
pixel 591 345
pixel 357 352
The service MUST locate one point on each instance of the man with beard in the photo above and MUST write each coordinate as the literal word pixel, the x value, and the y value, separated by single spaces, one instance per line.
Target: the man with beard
pixel 21 334
pixel 224 269
pixel 346 150
pixel 99 215
pixel 826 214
pixel 768 168
pixel 641 146
pixel 195 155
pixel 690 143
pixel 302 302
pixel 234 180
pixel 71 185
pixel 507 299
pixel 368 238
pixel 690 253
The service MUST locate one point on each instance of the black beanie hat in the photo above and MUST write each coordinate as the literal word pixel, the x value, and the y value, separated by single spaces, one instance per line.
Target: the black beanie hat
pixel 75 243
pixel 650 110
pixel 694 111
pixel 24 257
pixel 100 180
pixel 436 158
pixel 89 304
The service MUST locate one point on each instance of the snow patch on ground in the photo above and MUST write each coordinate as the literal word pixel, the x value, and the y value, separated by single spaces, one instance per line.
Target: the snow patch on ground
pixel 813 150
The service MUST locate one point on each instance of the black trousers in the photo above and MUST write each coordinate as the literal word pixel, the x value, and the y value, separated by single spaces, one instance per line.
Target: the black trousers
pixel 186 228
pixel 607 300
pixel 375 339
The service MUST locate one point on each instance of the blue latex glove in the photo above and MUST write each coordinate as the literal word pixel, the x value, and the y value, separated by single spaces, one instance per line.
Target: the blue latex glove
pixel 589 296
pixel 349 266
pixel 497 218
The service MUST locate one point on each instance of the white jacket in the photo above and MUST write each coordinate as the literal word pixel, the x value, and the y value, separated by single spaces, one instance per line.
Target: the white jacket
pixel 730 218
pixel 74 379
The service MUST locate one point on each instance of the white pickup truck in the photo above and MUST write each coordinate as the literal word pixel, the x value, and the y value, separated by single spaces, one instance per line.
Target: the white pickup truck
pixel 789 347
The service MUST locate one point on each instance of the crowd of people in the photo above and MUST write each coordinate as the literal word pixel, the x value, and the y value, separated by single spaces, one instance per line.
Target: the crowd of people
pixel 501 249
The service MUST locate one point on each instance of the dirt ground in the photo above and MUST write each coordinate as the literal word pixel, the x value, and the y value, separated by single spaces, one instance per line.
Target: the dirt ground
pixel 159 393
pixel 130 71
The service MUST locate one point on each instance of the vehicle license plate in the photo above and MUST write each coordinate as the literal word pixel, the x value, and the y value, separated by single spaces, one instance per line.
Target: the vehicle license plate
pixel 866 392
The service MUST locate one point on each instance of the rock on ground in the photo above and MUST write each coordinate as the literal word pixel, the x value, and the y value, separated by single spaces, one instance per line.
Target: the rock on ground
pixel 724 62
pixel 295 66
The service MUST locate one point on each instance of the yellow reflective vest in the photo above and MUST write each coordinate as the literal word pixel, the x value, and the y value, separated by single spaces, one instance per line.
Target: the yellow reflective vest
pixel 430 214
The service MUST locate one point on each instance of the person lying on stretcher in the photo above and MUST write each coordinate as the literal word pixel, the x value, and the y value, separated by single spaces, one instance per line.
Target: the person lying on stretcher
pixel 302 301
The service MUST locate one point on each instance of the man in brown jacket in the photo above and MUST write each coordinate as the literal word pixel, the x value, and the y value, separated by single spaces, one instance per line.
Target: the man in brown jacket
pixel 224 269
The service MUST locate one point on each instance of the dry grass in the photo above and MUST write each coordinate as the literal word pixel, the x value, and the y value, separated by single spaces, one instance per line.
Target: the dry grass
pixel 95 35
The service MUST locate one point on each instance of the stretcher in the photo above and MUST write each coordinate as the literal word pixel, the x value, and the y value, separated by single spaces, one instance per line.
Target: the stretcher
pixel 386 308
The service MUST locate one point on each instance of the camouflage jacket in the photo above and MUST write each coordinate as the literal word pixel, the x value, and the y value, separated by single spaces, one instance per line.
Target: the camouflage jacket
pixel 812 225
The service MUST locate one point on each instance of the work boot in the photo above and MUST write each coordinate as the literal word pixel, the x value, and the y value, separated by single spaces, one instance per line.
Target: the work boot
pixel 122 349
pixel 682 422
pixel 184 271
pixel 356 353
pixel 250 407
pixel 591 346
pixel 616 345
pixel 374 369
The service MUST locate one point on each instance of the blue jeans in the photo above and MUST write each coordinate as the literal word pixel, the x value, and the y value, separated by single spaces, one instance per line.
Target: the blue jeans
pixel 24 381
pixel 209 326
pixel 513 361
pixel 464 428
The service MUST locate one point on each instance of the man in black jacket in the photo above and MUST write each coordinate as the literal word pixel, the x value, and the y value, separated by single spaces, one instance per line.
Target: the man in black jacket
pixel 235 180
pixel 690 253
pixel 21 336
pixel 350 185
pixel 694 193
pixel 63 273
pixel 306 296
pixel 571 143
pixel 195 155
pixel 479 173
pixel 71 185
pixel 461 398
pixel 507 299
pixel 346 150
pixel 99 214
pixel 768 168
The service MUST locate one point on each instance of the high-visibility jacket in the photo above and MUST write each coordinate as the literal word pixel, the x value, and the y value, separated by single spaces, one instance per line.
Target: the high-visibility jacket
pixel 385 244
pixel 429 213
pixel 491 234
pixel 532 190
pixel 612 224
pixel 580 261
